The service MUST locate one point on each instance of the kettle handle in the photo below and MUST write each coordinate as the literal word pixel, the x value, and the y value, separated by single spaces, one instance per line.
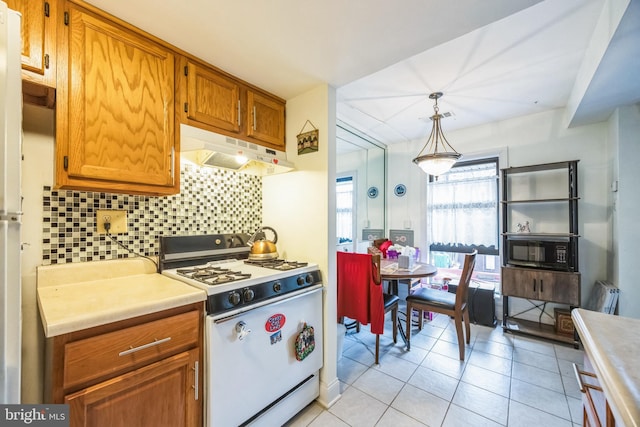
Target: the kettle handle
pixel 275 235
pixel 253 238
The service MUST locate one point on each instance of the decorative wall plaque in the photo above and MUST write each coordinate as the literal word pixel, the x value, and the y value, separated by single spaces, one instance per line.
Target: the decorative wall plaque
pixel 308 141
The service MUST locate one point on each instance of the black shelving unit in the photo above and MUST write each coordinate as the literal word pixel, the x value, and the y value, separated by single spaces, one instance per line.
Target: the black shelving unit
pixel 538 193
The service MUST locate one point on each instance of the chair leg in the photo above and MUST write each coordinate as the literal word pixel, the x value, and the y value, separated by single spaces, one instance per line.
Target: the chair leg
pixel 467 324
pixel 458 322
pixel 420 319
pixel 377 349
pixel 409 310
pixel 394 313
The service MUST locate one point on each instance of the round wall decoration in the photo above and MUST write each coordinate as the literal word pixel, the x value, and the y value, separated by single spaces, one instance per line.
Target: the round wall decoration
pixel 400 190
pixel 372 192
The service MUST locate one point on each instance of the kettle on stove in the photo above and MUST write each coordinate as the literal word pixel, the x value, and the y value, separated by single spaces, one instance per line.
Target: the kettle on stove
pixel 261 247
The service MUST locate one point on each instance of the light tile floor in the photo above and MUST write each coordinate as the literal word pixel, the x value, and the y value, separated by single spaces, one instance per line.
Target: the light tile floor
pixel 505 380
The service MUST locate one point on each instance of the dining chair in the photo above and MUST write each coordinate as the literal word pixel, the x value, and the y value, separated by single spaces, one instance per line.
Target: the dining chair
pixel 361 297
pixel 454 305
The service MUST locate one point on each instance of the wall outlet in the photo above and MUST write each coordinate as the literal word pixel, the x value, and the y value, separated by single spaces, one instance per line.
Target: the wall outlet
pixel 117 219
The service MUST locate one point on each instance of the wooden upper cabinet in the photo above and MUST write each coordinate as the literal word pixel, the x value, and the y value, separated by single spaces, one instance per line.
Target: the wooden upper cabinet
pixel 215 101
pixel 38 32
pixel 266 119
pixel 115 108
pixel 211 98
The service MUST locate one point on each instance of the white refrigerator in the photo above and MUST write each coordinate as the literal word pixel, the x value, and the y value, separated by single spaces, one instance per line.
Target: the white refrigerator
pixel 10 205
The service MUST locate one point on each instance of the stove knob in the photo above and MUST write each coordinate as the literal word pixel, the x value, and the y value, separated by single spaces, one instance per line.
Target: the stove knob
pixel 277 287
pixel 248 295
pixel 234 298
pixel 309 278
pixel 300 281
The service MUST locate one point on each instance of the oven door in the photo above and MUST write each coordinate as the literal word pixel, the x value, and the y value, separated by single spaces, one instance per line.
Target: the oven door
pixel 252 357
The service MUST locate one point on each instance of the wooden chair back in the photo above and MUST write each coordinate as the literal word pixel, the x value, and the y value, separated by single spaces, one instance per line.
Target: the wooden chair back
pixel 462 291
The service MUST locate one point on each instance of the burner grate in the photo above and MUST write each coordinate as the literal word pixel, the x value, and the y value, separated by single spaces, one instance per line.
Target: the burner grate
pixel 277 264
pixel 212 275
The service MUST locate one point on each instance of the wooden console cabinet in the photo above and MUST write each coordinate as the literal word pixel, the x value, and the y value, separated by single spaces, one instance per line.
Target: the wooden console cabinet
pixel 540 204
pixel 141 371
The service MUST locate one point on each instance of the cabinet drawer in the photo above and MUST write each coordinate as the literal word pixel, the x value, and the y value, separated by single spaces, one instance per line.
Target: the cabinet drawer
pixel 115 352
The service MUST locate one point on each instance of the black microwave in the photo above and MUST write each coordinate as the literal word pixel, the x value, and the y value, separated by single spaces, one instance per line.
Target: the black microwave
pixel 541 253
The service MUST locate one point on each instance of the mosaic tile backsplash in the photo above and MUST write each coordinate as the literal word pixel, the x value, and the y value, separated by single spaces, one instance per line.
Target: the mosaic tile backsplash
pixel 211 201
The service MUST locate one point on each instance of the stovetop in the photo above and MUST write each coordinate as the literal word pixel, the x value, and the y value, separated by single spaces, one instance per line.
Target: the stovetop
pixel 219 266
pixel 225 275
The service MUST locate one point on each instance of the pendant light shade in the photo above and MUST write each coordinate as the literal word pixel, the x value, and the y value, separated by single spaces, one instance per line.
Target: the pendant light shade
pixel 437 156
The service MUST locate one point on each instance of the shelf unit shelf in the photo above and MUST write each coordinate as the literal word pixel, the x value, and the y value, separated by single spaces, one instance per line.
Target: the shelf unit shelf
pixel 525 282
pixel 554 200
pixel 539 329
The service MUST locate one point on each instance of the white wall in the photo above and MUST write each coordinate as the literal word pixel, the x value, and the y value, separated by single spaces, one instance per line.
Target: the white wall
pixel 534 139
pixel 626 127
pixel 301 206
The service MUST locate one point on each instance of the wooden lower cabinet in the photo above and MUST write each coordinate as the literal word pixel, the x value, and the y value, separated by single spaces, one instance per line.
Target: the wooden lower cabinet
pixel 595 408
pixel 144 371
pixel 161 394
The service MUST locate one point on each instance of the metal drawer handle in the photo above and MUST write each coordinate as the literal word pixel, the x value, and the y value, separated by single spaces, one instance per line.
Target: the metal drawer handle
pixel 142 347
pixel 583 386
pixel 578 378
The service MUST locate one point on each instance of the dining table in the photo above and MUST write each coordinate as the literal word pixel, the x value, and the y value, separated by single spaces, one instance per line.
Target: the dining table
pixel 391 273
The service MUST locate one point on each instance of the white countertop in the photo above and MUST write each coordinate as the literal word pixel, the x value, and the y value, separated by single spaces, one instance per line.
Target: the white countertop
pixel 613 346
pixel 83 295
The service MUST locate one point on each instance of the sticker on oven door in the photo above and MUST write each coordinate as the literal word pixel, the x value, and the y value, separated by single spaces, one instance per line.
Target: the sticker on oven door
pixel 276 338
pixel 275 323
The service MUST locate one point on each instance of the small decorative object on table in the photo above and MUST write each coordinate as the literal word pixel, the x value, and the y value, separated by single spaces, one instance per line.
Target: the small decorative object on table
pixel 523 228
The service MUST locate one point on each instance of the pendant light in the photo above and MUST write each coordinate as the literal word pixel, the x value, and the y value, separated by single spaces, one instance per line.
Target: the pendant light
pixel 439 155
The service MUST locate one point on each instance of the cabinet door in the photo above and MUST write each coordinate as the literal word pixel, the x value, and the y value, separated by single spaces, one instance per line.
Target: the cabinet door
pixel 266 120
pixel 519 283
pixel 165 393
pixel 38 39
pixel 115 116
pixel 212 98
pixel 565 287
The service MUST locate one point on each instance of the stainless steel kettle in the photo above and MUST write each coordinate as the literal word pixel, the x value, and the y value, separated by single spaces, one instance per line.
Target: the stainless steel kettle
pixel 261 247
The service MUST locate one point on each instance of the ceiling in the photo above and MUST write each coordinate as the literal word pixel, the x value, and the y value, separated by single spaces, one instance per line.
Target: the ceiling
pixel 493 59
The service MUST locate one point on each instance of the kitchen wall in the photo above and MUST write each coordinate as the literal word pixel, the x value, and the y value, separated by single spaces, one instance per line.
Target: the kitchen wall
pixel 59 225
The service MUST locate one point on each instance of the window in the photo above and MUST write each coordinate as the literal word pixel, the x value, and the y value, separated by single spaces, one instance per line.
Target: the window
pixel 462 215
pixel 345 209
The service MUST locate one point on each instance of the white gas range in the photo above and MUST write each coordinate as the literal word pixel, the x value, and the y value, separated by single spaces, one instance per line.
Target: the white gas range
pixel 263 330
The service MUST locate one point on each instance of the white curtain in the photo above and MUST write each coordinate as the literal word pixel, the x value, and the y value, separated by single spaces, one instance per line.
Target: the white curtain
pixel 344 209
pixel 463 206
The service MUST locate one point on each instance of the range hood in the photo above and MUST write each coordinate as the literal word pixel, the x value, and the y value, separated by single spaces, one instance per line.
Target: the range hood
pixel 211 149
